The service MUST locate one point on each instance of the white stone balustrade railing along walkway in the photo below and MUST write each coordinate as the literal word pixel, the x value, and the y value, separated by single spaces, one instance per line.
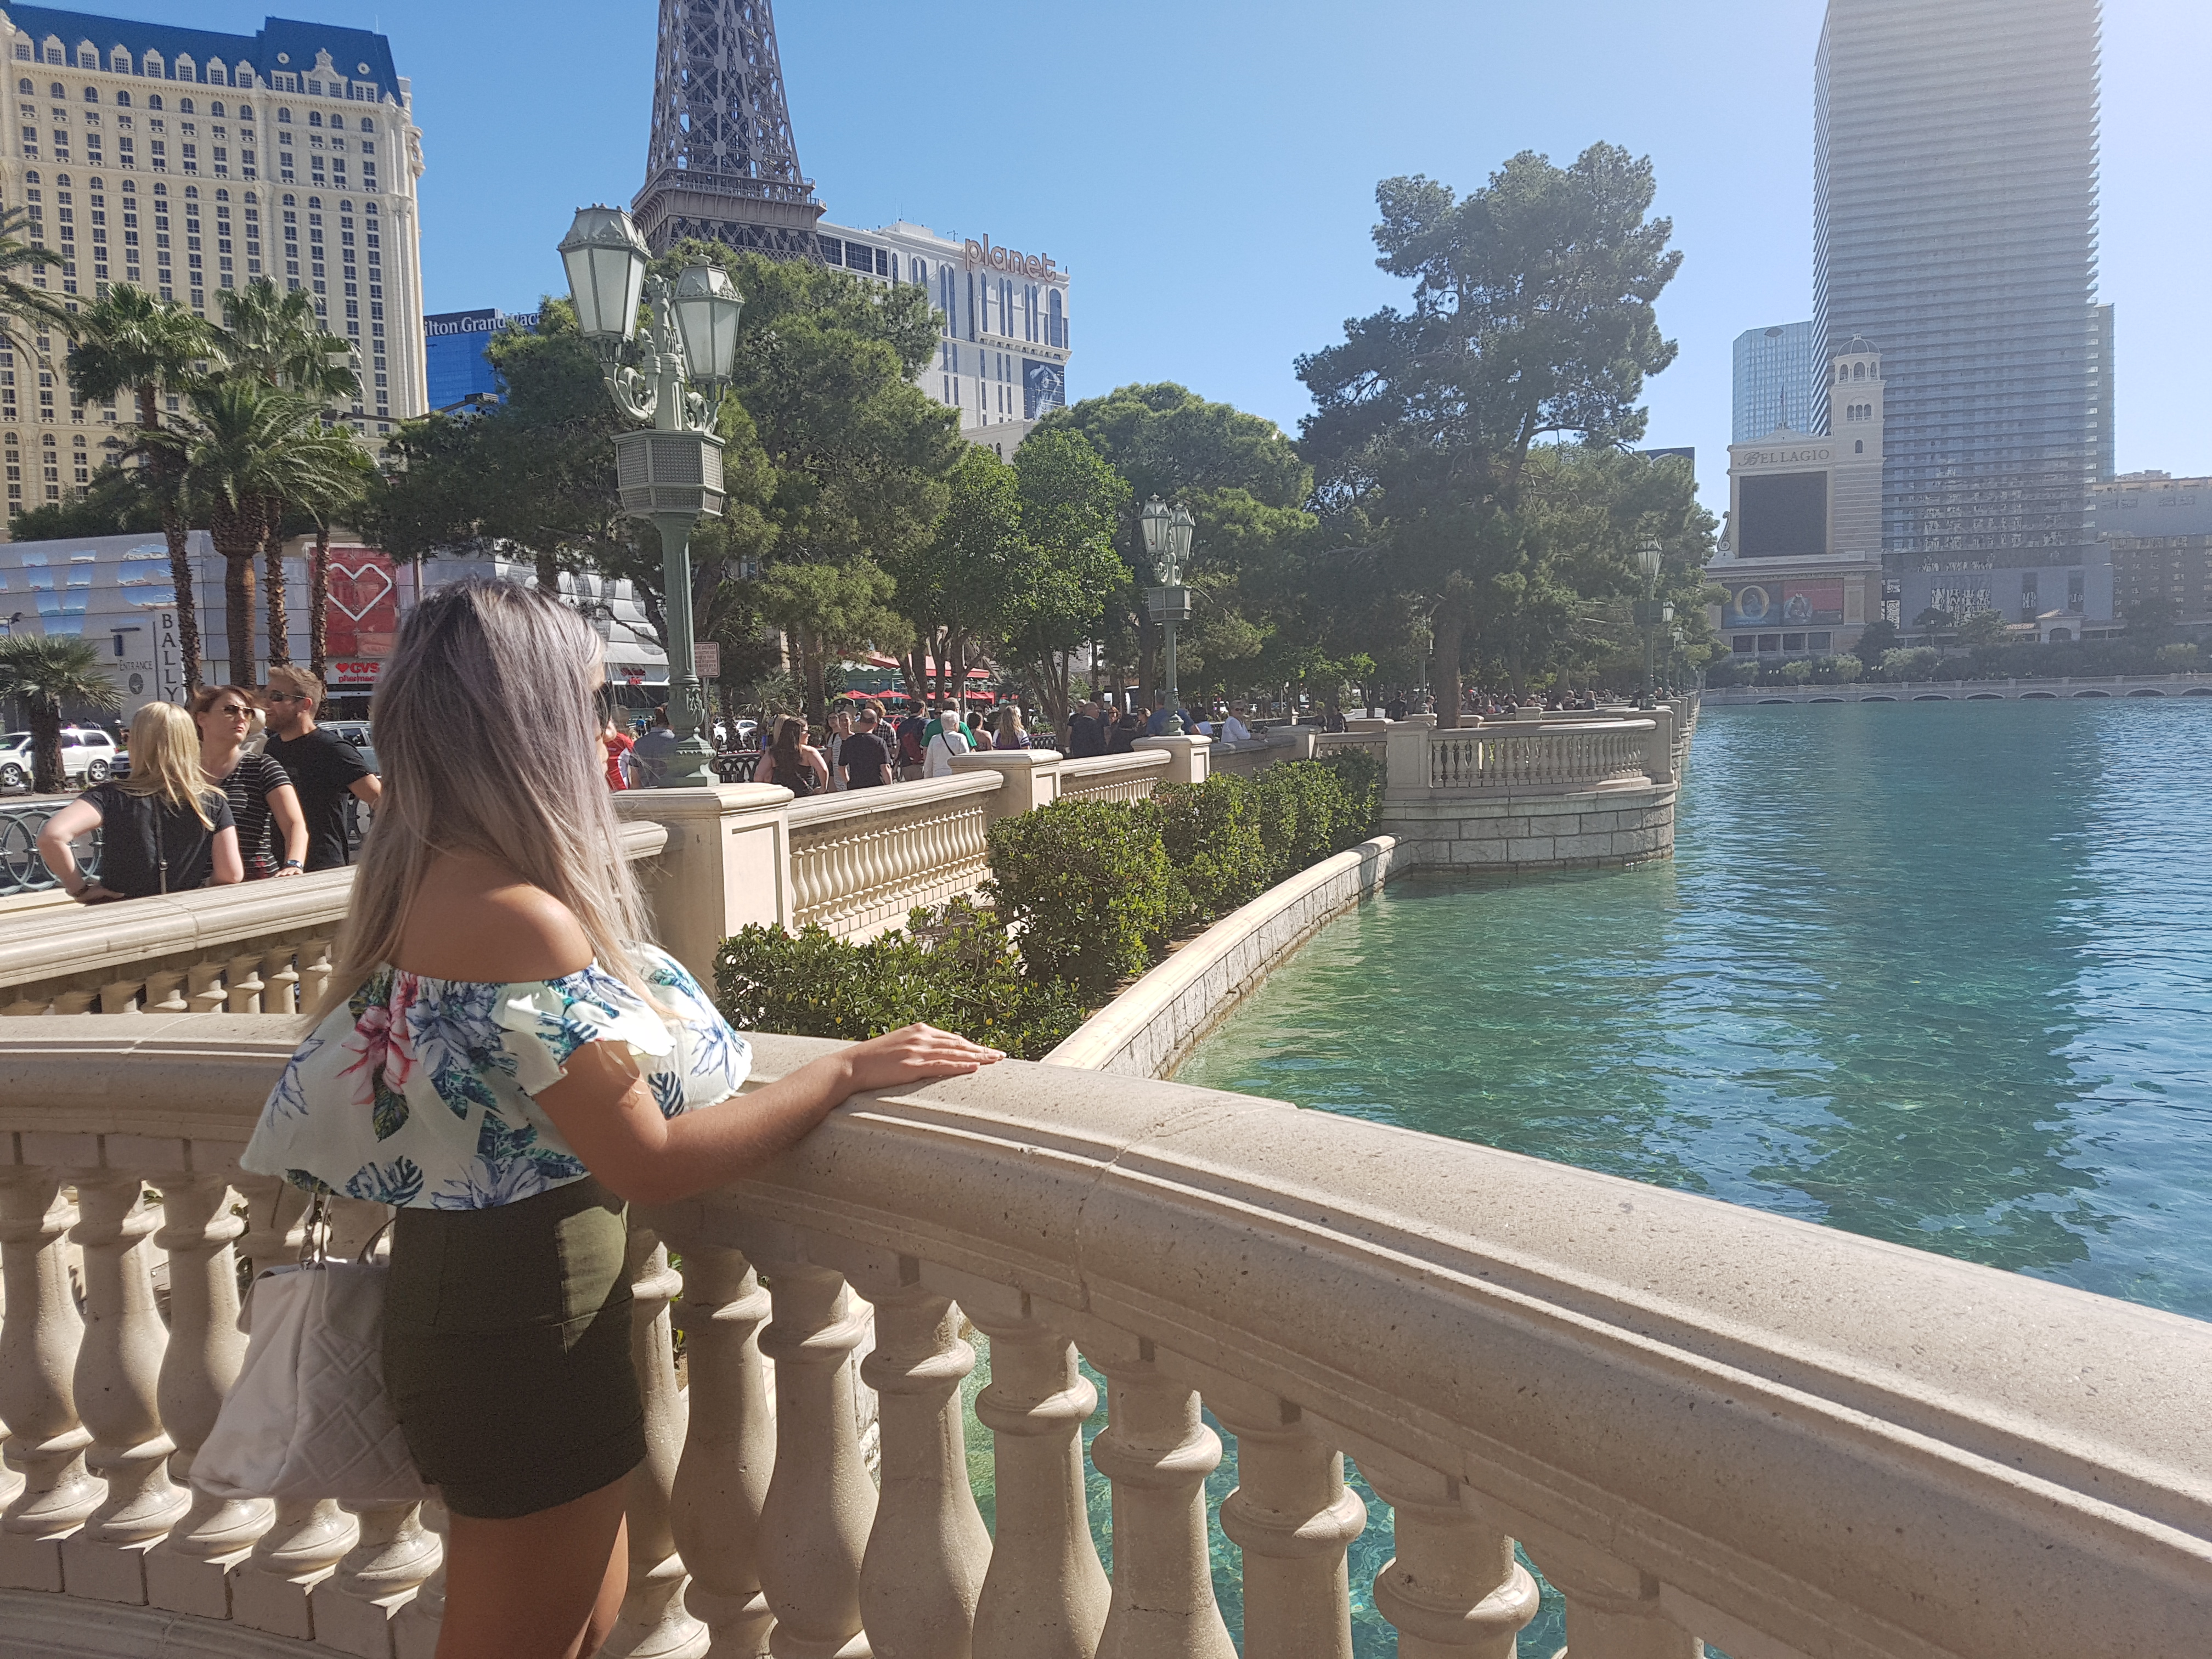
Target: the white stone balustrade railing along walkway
pixel 1701 1423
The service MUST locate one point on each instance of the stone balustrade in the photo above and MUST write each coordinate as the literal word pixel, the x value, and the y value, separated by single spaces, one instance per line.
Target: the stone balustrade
pixel 1550 792
pixel 862 859
pixel 1113 777
pixel 1701 1422
pixel 260 947
pixel 1539 756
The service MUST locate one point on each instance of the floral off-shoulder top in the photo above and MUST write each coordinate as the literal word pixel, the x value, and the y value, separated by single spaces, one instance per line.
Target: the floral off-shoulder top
pixel 421 1092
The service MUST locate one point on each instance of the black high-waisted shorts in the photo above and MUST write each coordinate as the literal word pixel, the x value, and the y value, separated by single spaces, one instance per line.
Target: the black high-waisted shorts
pixel 506 1349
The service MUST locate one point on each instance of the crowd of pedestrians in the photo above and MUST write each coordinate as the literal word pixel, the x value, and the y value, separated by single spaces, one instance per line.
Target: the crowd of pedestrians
pixel 243 785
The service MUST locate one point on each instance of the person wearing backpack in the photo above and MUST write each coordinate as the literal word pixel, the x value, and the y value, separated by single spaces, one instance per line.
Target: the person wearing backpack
pixel 948 736
pixel 792 761
pixel 165 829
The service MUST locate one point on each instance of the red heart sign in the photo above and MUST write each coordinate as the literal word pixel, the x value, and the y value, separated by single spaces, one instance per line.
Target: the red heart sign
pixel 358 589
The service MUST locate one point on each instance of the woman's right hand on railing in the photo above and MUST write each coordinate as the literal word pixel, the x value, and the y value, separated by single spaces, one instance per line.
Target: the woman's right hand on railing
pixel 609 1116
pixel 915 1054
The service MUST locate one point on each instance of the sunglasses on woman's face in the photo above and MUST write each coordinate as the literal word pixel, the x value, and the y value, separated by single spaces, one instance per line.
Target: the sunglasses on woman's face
pixel 235 711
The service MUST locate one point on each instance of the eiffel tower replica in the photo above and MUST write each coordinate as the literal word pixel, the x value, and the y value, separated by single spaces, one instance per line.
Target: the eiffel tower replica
pixel 722 165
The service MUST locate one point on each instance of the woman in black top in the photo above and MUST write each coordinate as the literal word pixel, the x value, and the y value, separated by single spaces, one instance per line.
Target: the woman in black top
pixel 164 829
pixel 260 792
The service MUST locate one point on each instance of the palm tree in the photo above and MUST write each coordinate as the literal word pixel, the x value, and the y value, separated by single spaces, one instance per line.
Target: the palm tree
pixel 20 301
pixel 42 673
pixel 246 448
pixel 148 347
pixel 275 335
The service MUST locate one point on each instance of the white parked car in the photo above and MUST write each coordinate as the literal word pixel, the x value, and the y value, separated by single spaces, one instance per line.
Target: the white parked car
pixel 88 753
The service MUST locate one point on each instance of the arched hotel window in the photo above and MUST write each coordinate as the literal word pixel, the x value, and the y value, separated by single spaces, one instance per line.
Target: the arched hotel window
pixel 23 88
pixel 155 101
pixel 92 94
pixel 1859 448
pixel 55 91
pixel 1058 336
pixel 123 101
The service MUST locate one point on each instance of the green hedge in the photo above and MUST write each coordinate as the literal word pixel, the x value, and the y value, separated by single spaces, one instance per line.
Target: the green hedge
pixel 1216 857
pixel 953 968
pixel 1083 896
pixel 1085 886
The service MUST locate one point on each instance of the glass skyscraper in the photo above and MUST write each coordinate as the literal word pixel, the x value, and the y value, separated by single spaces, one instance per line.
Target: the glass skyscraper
pixel 1778 381
pixel 1955 216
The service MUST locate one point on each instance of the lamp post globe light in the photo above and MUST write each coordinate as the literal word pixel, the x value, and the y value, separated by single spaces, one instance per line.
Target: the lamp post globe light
pixel 668 377
pixel 1167 540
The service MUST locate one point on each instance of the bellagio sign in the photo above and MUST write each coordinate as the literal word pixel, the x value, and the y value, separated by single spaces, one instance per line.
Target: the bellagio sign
pixel 1038 268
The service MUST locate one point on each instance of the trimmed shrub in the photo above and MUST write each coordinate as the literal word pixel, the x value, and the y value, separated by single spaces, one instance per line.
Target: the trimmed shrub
pixel 954 967
pixel 1085 887
pixel 1216 857
pixel 1360 775
pixel 1305 814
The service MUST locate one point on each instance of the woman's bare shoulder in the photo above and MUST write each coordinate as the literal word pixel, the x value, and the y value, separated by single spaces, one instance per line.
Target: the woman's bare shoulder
pixel 486 926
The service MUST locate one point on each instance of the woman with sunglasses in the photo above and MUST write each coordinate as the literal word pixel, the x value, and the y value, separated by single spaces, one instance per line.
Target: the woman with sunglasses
pixel 259 790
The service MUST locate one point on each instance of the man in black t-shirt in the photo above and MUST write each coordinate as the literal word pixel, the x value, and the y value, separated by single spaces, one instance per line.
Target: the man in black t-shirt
pixel 325 769
pixel 865 758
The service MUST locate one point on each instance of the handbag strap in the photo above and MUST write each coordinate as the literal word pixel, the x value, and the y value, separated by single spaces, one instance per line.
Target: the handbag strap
pixel 315 1242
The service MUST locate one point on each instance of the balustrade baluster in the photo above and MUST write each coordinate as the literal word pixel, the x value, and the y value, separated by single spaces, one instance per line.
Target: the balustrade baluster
pixel 729 1449
pixel 820 1503
pixel 1045 1595
pixel 1454 1591
pixel 118 1369
pixel 1157 1452
pixel 74 1002
pixel 120 996
pixel 28 1005
pixel 204 987
pixel 354 1608
pixel 315 968
pixel 414 1626
pixel 188 1571
pixel 653 1624
pixel 1293 1518
pixel 928 1550
pixel 273 1589
pixel 39 1337
pixel 281 980
pixel 807 879
pixel 1612 1610
pixel 164 993
pixel 244 992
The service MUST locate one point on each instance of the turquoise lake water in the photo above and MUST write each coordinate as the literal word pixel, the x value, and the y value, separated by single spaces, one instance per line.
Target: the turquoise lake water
pixel 1941 974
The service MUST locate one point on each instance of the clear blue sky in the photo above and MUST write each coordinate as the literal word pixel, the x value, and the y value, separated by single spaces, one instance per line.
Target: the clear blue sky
pixel 1206 168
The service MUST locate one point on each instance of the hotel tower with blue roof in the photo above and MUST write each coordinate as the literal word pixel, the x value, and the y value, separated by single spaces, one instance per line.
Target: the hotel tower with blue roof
pixel 186 162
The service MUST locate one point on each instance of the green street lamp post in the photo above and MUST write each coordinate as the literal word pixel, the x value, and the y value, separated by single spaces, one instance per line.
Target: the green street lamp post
pixel 1650 613
pixel 1167 538
pixel 669 375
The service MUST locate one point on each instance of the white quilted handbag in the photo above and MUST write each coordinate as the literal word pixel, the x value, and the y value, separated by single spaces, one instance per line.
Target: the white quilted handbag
pixel 308 1416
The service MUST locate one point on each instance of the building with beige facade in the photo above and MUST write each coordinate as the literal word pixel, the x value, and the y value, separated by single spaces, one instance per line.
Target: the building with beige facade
pixel 1002 348
pixel 1800 556
pixel 186 162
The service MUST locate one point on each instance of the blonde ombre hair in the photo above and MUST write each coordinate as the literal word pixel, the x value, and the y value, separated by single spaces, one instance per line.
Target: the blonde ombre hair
pixel 165 760
pixel 487 737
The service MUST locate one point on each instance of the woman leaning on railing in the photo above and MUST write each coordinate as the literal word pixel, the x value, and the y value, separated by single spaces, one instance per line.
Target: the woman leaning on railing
pixel 503 1058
